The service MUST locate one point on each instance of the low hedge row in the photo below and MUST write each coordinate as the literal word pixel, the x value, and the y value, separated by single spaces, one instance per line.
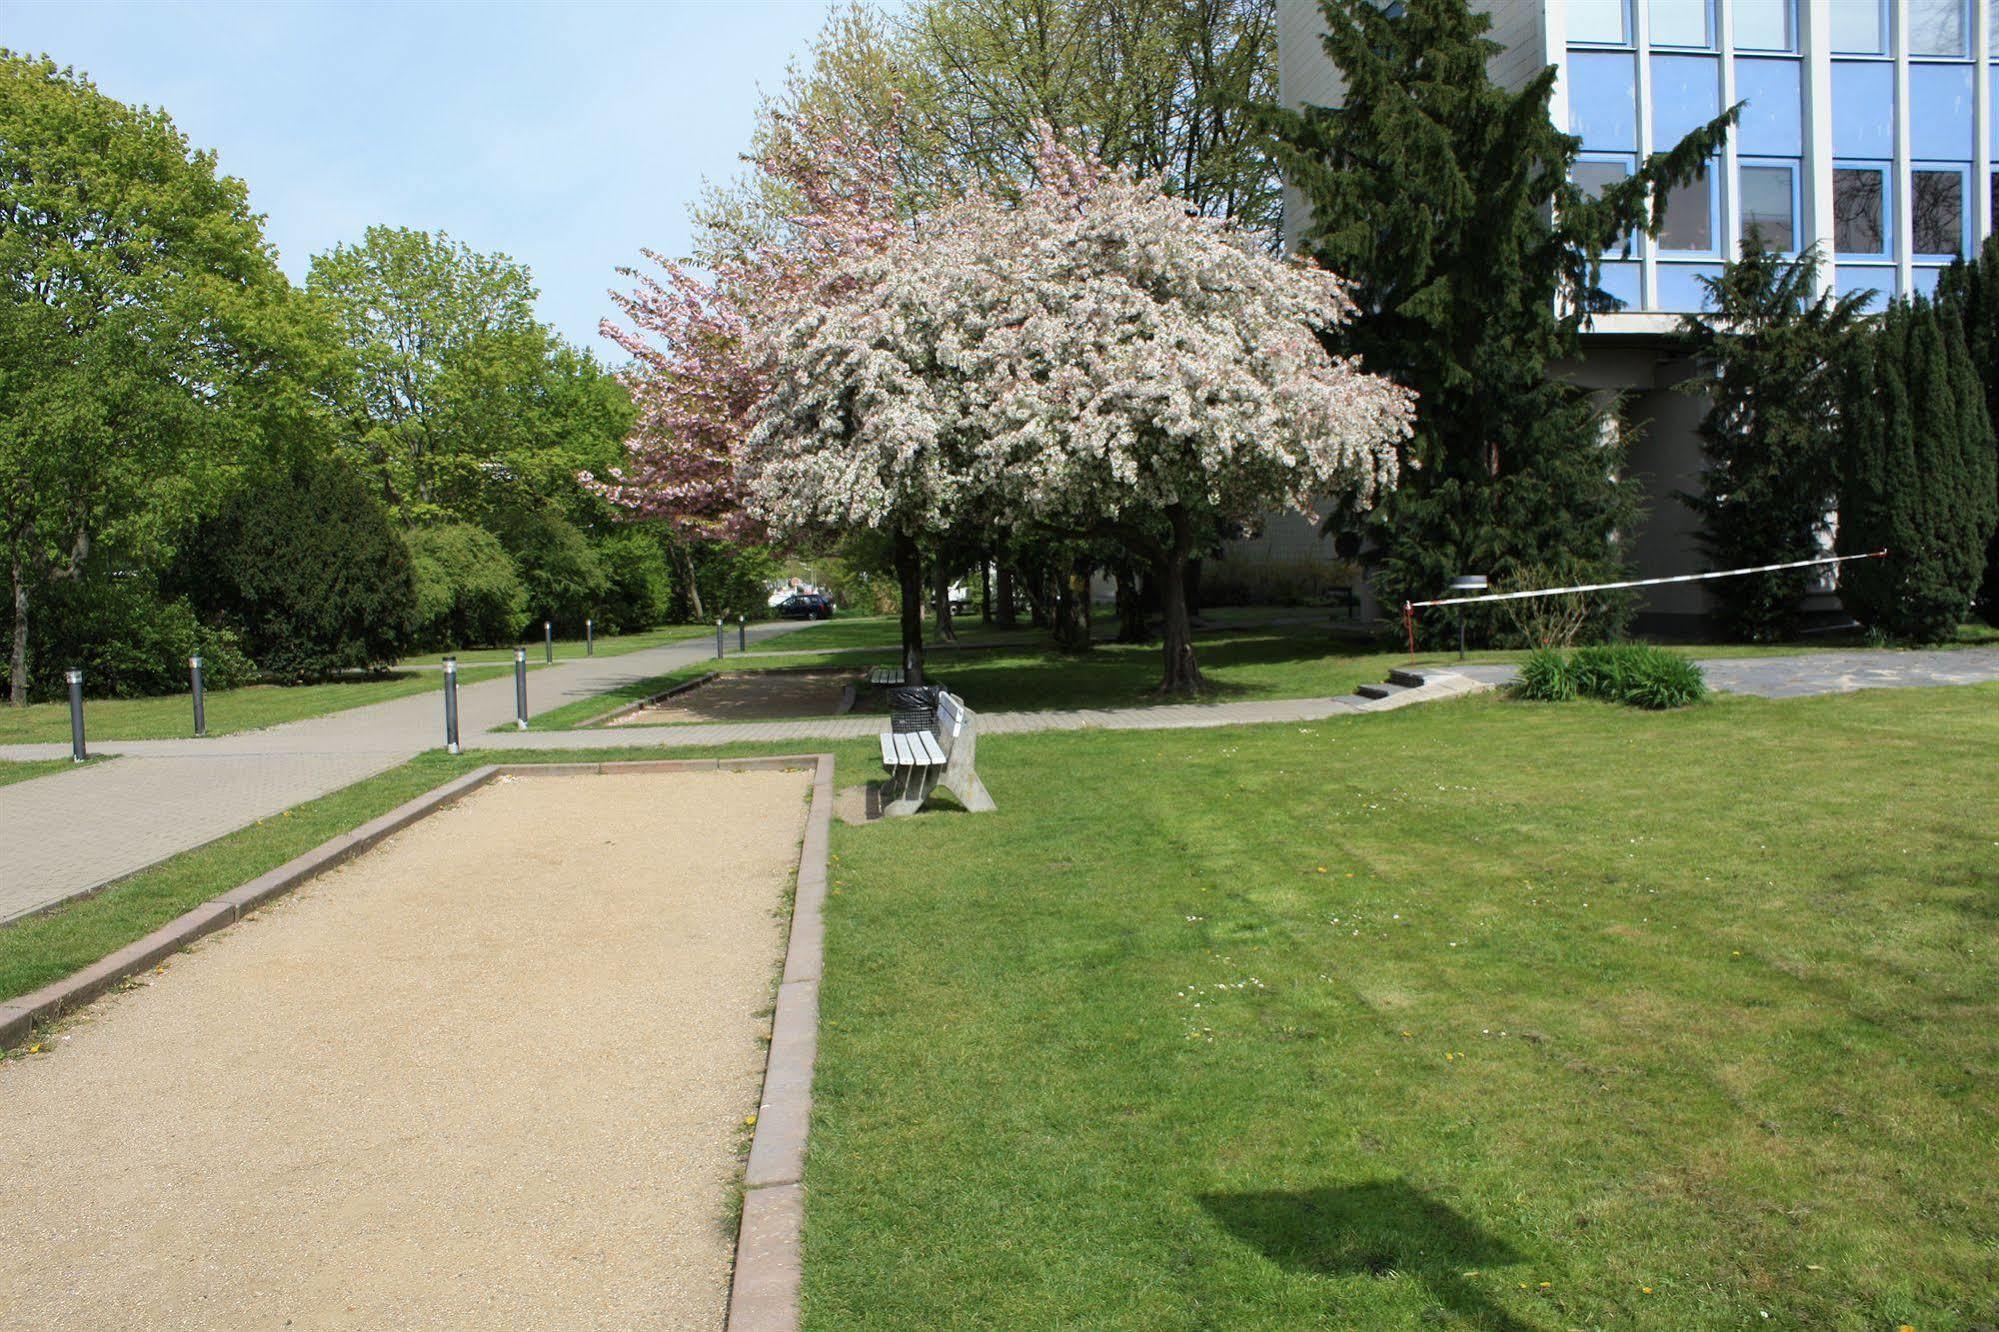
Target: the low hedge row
pixel 1635 673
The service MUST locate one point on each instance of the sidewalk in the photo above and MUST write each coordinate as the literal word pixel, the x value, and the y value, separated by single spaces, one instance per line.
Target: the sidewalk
pixel 75 831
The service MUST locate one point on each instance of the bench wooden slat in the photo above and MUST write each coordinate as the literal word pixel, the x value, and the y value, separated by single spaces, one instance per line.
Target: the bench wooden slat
pixel 888 750
pixel 931 752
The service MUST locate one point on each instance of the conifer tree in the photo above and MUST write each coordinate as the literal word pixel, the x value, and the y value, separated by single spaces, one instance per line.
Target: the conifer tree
pixel 1970 292
pixel 1446 200
pixel 1916 477
pixel 1772 351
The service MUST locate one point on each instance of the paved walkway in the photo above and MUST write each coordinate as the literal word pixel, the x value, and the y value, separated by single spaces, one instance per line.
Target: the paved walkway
pixel 73 832
pixel 1823 672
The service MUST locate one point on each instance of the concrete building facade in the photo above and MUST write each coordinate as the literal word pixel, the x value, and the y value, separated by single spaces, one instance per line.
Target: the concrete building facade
pixel 1867 129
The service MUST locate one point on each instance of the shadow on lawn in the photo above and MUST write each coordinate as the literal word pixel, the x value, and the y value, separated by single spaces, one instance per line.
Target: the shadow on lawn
pixel 1372 1229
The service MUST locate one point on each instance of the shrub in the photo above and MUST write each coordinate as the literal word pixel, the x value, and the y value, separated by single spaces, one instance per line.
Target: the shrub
pixel 467 590
pixel 638 585
pixel 565 580
pixel 1545 677
pixel 1273 582
pixel 735 580
pixel 305 560
pixel 130 642
pixel 1637 674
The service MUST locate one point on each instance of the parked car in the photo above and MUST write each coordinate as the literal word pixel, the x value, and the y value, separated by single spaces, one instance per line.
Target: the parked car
pixel 806 606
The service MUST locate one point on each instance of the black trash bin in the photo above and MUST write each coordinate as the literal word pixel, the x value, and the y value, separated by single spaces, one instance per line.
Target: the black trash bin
pixel 912 708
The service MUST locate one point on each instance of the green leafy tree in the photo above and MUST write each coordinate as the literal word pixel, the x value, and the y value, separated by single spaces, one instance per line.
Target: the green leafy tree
pixel 1772 349
pixel 1969 292
pixel 144 327
pixel 1916 477
pixel 309 565
pixel 468 592
pixel 1447 201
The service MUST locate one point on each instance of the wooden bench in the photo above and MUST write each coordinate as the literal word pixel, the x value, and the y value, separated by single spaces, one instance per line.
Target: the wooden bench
pixel 883 677
pixel 918 762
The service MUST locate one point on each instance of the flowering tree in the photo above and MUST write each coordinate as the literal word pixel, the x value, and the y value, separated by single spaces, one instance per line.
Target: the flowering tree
pixel 703 347
pixel 1090 360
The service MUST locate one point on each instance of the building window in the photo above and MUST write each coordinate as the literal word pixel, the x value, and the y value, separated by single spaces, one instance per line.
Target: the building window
pixel 1859 27
pixel 1942 121
pixel 1774 112
pixel 1936 212
pixel 1603 100
pixel 1992 27
pixel 1770 208
pixel 1686 94
pixel 1852 279
pixel 1600 22
pixel 1859 210
pixel 1681 287
pixel 1689 226
pixel 1595 175
pixel 1681 23
pixel 1767 25
pixel 1937 28
pixel 1863 108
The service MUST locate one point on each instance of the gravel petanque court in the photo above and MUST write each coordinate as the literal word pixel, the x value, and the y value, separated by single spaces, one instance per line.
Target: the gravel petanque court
pixel 493 1073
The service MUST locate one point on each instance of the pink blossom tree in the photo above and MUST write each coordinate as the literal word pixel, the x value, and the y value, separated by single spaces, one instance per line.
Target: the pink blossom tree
pixel 1090 360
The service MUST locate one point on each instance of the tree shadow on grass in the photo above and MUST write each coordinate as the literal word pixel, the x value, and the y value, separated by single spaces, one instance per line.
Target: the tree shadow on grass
pixel 1373 1229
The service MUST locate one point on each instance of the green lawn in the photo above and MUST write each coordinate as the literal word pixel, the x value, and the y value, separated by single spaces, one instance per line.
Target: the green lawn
pixel 569 649
pixel 1484 1014
pixel 853 632
pixel 20 770
pixel 171 717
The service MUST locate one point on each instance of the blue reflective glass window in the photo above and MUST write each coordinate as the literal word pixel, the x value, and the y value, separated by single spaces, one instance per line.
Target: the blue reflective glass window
pixel 1689 227
pixel 1773 119
pixel 1938 28
pixel 1620 282
pixel 1603 100
pixel 1681 23
pixel 1602 21
pixel 1681 289
pixel 1770 206
pixel 1766 25
pixel 1859 27
pixel 1860 210
pixel 1686 94
pixel 1851 278
pixel 1863 109
pixel 1941 116
pixel 1594 176
pixel 1936 210
pixel 1923 279
pixel 1992 128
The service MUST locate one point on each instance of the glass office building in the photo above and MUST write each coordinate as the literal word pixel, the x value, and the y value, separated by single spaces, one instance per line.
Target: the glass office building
pixel 1866 128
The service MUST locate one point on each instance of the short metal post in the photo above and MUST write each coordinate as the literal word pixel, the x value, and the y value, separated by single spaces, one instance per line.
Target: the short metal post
pixel 1461 633
pixel 200 712
pixel 589 638
pixel 548 641
pixel 521 688
pixel 742 634
pixel 451 704
pixel 718 638
pixel 75 677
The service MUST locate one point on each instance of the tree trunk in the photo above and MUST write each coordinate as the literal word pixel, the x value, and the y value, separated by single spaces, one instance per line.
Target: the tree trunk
pixel 1072 608
pixel 693 586
pixel 985 590
pixel 1008 614
pixel 940 583
pixel 17 662
pixel 909 576
pixel 1131 618
pixel 1181 675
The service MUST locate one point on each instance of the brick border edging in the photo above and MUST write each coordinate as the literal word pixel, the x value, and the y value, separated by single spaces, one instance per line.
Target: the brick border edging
pixel 769 1270
pixel 20 1015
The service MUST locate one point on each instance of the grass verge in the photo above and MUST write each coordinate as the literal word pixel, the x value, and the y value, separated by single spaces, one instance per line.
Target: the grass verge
pixel 21 770
pixel 1484 1014
pixel 171 716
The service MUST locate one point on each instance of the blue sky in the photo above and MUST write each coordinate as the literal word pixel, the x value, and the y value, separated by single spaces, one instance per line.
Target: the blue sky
pixel 566 135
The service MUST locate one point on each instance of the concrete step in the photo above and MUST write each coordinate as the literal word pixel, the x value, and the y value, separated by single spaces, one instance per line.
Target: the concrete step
pixel 1381 690
pixel 1408 678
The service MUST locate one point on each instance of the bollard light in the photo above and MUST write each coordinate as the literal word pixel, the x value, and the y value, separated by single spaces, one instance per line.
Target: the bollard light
pixel 451 704
pixel 75 677
pixel 200 712
pixel 1466 583
pixel 742 635
pixel 589 638
pixel 548 640
pixel 718 638
pixel 521 688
